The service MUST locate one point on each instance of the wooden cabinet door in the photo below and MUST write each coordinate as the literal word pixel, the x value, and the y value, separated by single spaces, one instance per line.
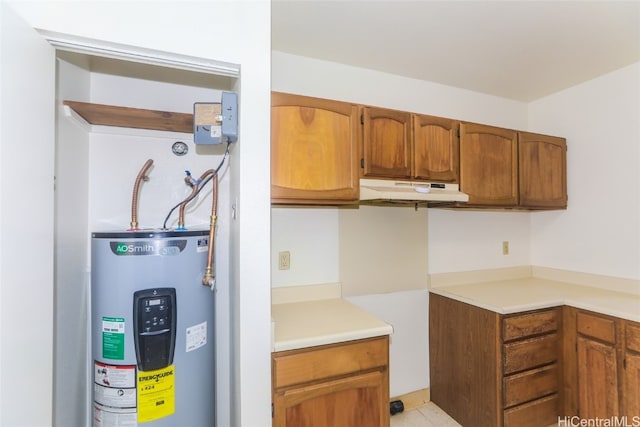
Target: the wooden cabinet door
pixel 314 145
pixel 597 379
pixel 632 385
pixel 631 390
pixel 436 148
pixel 386 143
pixel 358 400
pixel 543 171
pixel 489 165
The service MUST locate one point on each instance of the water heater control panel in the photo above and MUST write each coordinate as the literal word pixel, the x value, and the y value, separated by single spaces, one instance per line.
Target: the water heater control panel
pixel 154 312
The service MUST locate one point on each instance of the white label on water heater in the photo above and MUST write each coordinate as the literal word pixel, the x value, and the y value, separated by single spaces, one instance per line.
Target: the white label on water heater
pixel 114 395
pixel 203 245
pixel 196 336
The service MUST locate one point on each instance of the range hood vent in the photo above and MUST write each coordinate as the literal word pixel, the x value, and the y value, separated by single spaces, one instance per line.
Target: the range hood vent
pixel 396 192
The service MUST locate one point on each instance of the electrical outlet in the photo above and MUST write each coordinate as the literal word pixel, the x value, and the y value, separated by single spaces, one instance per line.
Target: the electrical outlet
pixel 284 260
pixel 505 247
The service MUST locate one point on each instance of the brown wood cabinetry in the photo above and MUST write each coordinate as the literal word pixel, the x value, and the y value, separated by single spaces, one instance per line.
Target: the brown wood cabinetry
pixel 631 380
pixel 320 148
pixel 597 359
pixel 531 377
pixel 542 171
pixel 387 149
pixel 337 385
pixel 493 370
pixel 602 369
pixel 405 146
pixel 507 168
pixel 314 150
pixel 436 149
pixel 489 165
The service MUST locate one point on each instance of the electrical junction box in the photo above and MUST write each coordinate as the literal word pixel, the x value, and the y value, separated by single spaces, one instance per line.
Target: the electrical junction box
pixel 216 122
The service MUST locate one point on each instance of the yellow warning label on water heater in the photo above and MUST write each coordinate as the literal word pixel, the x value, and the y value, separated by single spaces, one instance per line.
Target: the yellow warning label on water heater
pixel 156 394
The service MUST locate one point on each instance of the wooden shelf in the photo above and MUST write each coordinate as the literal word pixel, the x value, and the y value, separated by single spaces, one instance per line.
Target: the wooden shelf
pixel 111 115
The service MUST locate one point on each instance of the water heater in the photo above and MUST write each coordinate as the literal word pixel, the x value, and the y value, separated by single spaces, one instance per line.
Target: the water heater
pixel 152 325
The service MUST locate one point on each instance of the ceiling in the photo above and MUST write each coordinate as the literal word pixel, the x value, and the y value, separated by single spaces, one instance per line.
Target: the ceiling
pixel 521 50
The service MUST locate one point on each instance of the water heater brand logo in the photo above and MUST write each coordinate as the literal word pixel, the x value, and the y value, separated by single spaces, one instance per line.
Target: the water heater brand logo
pixel 123 248
pixel 155 247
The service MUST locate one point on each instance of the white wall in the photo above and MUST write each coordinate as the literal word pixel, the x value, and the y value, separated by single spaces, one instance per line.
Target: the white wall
pixel 600 231
pixel 472 240
pixel 71 379
pixel 409 343
pixel 310 235
pixel 234 32
pixel 27 135
pixel 453 241
pixel 323 79
pixel 383 249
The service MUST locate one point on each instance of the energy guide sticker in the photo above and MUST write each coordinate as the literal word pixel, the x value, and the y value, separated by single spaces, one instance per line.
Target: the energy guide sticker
pixel 156 394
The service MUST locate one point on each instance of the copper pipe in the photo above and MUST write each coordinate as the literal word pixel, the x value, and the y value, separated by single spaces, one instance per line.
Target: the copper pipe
pixel 136 188
pixel 209 277
pixel 194 190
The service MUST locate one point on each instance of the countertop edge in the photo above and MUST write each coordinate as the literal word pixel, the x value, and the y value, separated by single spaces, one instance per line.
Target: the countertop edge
pixel 333 339
pixel 562 297
pixel 322 322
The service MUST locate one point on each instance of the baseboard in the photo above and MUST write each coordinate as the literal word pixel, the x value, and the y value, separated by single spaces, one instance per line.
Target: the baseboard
pixel 414 399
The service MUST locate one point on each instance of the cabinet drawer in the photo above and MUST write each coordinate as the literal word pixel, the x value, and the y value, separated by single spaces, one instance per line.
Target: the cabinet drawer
pixel 530 385
pixel 317 363
pixel 600 328
pixel 539 413
pixel 633 336
pixel 527 354
pixel 529 324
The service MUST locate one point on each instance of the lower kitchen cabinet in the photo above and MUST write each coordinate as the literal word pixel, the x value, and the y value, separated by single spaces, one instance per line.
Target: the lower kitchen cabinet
pixel 631 380
pixel 603 378
pixel 598 387
pixel 488 369
pixel 336 385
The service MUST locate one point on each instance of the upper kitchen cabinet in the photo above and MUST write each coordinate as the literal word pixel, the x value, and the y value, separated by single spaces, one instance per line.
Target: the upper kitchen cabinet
pixel 405 146
pixel 387 148
pixel 314 150
pixel 489 165
pixel 504 168
pixel 436 148
pixel 543 171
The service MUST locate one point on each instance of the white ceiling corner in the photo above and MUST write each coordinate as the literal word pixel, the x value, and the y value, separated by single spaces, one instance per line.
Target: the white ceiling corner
pixel 521 50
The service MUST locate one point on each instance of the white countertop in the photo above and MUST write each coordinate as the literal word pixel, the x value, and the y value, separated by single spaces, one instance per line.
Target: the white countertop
pixel 311 323
pixel 522 294
pixel 312 315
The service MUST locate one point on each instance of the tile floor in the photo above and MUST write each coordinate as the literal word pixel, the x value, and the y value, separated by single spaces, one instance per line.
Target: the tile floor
pixel 428 415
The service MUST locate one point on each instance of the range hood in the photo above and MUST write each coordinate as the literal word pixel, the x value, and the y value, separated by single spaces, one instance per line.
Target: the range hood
pixel 390 191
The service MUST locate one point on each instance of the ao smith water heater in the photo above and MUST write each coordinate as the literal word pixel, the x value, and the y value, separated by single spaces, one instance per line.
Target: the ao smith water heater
pixel 153 329
pixel 153 315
